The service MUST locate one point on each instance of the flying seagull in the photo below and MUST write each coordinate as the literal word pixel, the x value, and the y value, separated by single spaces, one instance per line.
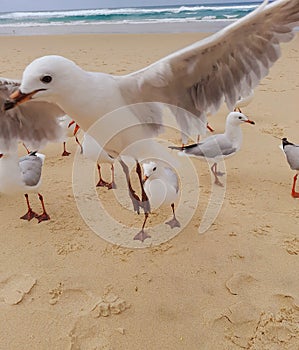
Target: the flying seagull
pixel 34 123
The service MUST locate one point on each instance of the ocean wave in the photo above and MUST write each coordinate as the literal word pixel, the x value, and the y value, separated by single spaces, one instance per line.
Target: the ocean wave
pixel 208 18
pixel 230 16
pixel 155 14
pixel 149 21
pixel 123 11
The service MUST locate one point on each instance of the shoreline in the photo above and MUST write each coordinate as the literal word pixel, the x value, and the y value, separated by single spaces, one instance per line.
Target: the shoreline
pixel 111 28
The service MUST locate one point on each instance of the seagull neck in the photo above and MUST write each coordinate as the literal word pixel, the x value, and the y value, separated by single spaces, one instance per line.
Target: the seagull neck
pixel 156 175
pixel 233 132
pixel 89 99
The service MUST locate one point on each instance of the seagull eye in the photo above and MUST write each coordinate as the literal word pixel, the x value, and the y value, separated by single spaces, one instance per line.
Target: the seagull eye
pixel 240 117
pixel 46 79
pixel 155 168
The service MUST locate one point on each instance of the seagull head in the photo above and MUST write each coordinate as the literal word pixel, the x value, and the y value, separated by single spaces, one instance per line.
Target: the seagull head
pixel 149 169
pixel 286 142
pixel 44 80
pixel 237 118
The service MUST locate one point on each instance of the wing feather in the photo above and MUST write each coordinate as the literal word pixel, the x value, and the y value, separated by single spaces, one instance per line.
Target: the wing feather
pixel 220 67
pixel 34 123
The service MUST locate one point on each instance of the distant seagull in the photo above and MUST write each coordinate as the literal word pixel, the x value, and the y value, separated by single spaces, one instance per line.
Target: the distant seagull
pixel 71 129
pixel 216 147
pixel 161 185
pixel 93 151
pixel 244 101
pixel 292 154
pixel 23 175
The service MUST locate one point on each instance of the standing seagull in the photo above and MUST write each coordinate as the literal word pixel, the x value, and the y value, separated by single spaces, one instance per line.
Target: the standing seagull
pixel 23 175
pixel 71 129
pixel 292 153
pixel 93 151
pixel 193 81
pixel 216 147
pixel 161 185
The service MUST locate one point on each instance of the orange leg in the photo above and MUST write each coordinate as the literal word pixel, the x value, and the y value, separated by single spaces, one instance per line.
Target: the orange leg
pixel 145 202
pixel 174 221
pixel 44 215
pixel 134 197
pixel 78 142
pixel 294 193
pixel 65 153
pixel 112 184
pixel 101 182
pixel 142 235
pixel 30 213
pixel 216 174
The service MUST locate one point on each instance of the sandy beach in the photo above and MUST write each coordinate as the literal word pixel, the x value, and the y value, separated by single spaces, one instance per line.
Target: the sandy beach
pixel 233 287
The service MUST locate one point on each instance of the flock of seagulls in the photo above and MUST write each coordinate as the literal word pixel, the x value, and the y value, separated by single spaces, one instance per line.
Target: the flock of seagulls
pixel 120 111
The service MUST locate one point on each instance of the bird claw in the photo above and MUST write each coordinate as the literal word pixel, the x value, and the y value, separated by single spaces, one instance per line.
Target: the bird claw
pixel 43 217
pixel 141 236
pixel 29 215
pixel 65 153
pixel 173 223
pixel 111 186
pixel 295 194
pixel 102 183
pixel 218 183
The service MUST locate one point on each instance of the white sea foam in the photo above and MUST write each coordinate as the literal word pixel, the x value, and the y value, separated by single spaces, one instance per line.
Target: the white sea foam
pixel 116 16
pixel 123 11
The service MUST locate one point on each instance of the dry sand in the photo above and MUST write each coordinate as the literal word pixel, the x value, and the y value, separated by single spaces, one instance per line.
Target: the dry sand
pixel 234 287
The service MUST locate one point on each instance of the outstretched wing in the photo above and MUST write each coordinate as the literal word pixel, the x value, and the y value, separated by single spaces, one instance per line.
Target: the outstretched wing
pixel 34 123
pixel 219 68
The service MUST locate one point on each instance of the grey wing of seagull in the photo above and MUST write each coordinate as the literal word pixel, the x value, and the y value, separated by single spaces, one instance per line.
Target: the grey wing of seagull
pixel 34 123
pixel 31 169
pixel 292 154
pixel 212 147
pixel 196 80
